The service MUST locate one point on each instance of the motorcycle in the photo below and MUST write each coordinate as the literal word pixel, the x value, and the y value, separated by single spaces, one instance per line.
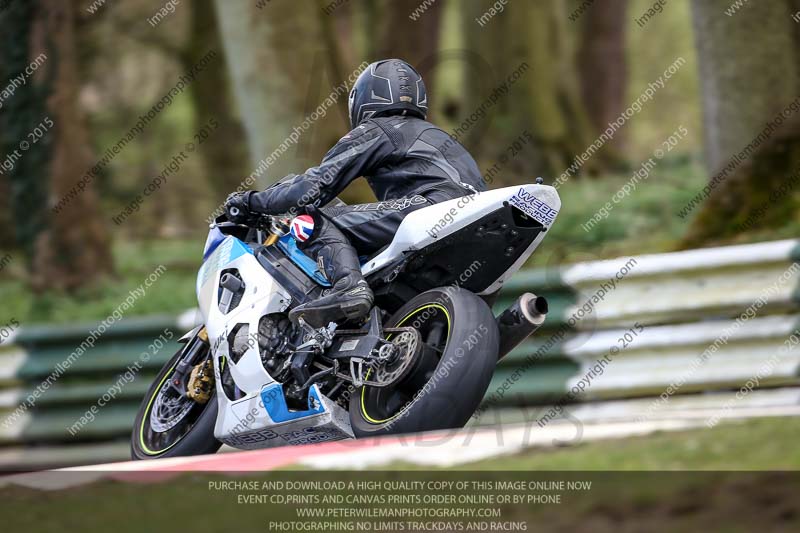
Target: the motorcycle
pixel 422 360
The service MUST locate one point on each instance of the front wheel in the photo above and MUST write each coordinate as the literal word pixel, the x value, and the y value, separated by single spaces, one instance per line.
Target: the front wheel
pixel 169 424
pixel 452 372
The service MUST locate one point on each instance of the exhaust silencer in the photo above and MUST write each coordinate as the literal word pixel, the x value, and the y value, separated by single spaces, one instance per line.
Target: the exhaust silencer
pixel 519 321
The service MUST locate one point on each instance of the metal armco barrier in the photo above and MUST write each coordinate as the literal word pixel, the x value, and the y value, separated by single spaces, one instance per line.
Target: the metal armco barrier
pixel 711 320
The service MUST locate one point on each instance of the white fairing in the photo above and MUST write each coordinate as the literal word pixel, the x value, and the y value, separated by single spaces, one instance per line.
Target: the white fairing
pixel 260 417
pixel 246 422
pixel 425 226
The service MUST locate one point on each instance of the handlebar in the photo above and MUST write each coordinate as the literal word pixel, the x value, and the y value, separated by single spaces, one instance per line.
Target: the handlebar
pixel 275 224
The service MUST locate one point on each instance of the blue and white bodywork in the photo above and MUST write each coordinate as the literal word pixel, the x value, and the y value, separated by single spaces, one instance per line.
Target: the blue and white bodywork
pixel 260 418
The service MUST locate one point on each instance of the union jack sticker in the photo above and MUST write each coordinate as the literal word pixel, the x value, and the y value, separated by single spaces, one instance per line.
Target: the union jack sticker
pixel 302 227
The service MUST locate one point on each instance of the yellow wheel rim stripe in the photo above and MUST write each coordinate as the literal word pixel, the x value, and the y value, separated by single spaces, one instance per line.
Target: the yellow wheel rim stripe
pixel 403 321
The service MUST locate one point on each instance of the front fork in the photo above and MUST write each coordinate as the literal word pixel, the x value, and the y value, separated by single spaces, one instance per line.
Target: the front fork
pixel 191 367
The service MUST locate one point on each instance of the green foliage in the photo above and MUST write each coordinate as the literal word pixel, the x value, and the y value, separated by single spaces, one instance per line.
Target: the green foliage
pixel 146 65
pixel 652 49
pixel 174 291
pixel 761 444
pixel 643 222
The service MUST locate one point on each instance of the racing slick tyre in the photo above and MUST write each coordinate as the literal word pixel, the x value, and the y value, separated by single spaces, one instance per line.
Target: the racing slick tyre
pixel 456 361
pixel 170 425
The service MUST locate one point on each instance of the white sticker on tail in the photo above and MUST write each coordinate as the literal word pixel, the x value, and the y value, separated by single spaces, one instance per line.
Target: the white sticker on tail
pixel 530 205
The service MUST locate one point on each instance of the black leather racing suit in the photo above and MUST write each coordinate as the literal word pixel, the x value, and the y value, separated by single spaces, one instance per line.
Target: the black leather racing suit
pixel 408 162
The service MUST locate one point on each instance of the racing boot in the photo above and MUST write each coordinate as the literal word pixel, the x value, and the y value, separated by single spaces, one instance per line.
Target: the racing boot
pixel 350 296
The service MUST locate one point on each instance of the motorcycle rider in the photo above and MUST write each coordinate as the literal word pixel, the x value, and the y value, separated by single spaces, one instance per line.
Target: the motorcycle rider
pixel 409 164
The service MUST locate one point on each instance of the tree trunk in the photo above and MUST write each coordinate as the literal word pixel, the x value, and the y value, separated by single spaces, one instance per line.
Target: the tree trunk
pixel 529 38
pixel 367 17
pixel 6 220
pixel 415 40
pixel 225 152
pixel 74 249
pixel 602 65
pixel 493 52
pixel 560 119
pixel 276 64
pixel 27 196
pixel 337 55
pixel 749 74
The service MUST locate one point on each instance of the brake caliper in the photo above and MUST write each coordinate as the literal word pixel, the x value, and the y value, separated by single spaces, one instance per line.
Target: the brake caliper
pixel 201 382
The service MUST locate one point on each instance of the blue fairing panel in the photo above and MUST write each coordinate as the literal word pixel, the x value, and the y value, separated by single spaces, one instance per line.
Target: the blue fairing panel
pixel 238 249
pixel 275 404
pixel 214 239
pixel 288 245
pixel 224 253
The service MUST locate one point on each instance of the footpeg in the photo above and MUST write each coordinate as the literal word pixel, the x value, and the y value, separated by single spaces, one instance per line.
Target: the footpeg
pixel 318 339
pixel 357 371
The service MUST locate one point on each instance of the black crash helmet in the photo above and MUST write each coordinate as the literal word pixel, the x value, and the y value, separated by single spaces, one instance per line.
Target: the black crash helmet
pixel 387 87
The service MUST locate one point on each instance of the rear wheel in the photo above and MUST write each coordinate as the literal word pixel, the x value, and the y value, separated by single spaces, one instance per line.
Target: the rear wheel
pixel 457 360
pixel 169 424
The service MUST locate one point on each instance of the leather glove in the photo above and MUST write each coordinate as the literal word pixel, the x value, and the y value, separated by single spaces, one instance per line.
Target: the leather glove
pixel 237 208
